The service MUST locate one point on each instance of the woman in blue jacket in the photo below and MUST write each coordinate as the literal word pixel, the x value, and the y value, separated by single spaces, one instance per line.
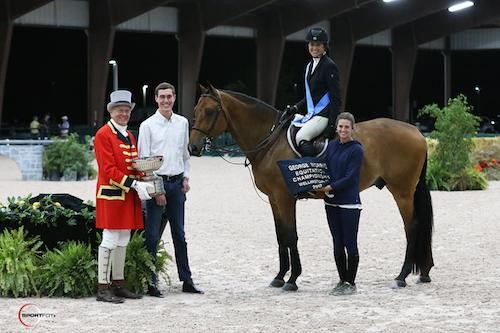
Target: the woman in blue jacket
pixel 344 157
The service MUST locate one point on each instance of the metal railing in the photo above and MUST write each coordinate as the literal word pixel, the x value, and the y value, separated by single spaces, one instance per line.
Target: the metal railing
pixel 8 142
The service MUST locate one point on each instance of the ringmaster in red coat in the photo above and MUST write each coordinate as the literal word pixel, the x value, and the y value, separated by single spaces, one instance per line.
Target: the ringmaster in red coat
pixel 118 197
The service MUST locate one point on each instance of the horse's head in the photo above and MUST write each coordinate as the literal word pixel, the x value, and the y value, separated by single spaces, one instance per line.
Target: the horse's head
pixel 209 120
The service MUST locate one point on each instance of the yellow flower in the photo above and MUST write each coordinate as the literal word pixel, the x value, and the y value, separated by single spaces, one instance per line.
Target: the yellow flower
pixel 36 205
pixel 57 204
pixel 21 202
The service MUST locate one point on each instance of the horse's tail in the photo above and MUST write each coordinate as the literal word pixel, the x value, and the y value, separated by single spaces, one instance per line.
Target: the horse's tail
pixel 422 224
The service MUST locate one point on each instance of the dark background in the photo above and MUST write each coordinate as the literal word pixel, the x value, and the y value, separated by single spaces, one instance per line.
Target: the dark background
pixel 47 73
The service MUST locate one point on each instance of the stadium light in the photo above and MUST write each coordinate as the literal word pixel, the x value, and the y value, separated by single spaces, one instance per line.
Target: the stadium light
pixel 115 73
pixel 144 89
pixel 460 6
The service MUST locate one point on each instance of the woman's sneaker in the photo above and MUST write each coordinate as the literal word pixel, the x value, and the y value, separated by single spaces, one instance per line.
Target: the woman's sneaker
pixel 343 288
pixel 348 289
pixel 338 288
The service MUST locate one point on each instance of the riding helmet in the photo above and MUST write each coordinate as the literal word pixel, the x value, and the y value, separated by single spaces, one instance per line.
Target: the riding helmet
pixel 317 35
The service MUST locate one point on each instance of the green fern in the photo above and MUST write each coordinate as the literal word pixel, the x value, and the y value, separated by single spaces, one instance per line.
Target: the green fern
pixel 468 179
pixel 68 271
pixel 162 260
pixel 18 263
pixel 139 264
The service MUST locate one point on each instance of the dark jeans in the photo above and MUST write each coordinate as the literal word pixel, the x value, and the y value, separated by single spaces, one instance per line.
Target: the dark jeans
pixel 174 211
pixel 343 225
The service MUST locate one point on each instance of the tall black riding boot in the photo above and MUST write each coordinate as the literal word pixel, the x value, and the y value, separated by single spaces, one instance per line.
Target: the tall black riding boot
pixel 352 268
pixel 306 148
pixel 120 290
pixel 105 293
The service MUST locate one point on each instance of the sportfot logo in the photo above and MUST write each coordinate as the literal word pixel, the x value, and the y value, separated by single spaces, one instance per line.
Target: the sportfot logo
pixel 30 315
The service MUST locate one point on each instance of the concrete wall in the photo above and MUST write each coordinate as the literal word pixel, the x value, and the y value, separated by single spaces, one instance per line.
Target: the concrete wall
pixel 27 154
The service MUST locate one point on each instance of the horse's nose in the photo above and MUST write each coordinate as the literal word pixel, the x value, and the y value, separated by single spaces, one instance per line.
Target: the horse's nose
pixel 194 150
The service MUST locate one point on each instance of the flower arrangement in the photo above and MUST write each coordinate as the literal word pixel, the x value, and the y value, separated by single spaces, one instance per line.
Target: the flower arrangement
pixel 490 168
pixel 46 211
pixel 48 218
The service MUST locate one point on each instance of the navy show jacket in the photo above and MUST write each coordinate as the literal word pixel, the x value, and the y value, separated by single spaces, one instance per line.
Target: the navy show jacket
pixel 344 163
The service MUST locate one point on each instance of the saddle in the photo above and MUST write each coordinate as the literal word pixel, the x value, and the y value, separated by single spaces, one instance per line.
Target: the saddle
pixel 319 143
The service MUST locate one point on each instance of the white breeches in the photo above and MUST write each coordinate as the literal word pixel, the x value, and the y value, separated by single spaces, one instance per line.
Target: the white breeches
pixel 311 129
pixel 111 238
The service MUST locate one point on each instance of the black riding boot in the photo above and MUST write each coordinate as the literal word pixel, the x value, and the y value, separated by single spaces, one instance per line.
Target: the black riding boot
pixel 341 263
pixel 306 148
pixel 105 294
pixel 352 268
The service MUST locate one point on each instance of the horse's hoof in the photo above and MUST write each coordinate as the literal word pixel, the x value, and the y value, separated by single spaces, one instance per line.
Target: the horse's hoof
pixel 277 283
pixel 424 279
pixel 396 284
pixel 290 286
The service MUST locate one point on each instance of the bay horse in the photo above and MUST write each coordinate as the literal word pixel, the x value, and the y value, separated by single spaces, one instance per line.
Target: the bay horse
pixel 395 155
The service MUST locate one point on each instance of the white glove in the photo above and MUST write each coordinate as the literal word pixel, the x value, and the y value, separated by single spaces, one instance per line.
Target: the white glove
pixel 142 189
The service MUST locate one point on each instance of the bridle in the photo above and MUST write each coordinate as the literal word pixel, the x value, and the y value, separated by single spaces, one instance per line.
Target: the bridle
pixel 208 137
pixel 208 141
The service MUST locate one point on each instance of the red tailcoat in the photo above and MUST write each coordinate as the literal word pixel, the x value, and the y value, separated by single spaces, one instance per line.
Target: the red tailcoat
pixel 117 205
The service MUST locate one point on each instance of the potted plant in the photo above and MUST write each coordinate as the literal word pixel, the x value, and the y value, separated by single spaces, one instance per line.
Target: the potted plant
pixel 69 158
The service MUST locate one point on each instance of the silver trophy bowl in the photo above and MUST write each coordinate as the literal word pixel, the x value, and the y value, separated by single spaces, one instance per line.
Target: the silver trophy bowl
pixel 148 165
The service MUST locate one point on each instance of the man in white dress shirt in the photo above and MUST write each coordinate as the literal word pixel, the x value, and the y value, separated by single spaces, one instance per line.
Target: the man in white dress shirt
pixel 167 134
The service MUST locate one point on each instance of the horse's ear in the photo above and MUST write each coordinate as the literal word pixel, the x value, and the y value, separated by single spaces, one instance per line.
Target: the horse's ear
pixel 202 89
pixel 212 89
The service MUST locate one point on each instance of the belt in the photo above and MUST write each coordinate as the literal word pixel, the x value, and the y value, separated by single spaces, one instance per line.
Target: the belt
pixel 172 178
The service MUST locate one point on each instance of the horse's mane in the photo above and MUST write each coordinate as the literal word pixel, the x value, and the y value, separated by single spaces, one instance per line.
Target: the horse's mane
pixel 251 100
pixel 278 127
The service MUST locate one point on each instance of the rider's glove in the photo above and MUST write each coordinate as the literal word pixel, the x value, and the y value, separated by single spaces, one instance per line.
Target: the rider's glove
pixel 142 189
pixel 290 110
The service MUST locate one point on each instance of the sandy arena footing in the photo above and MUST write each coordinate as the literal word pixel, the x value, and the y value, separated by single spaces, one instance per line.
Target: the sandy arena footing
pixel 234 256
